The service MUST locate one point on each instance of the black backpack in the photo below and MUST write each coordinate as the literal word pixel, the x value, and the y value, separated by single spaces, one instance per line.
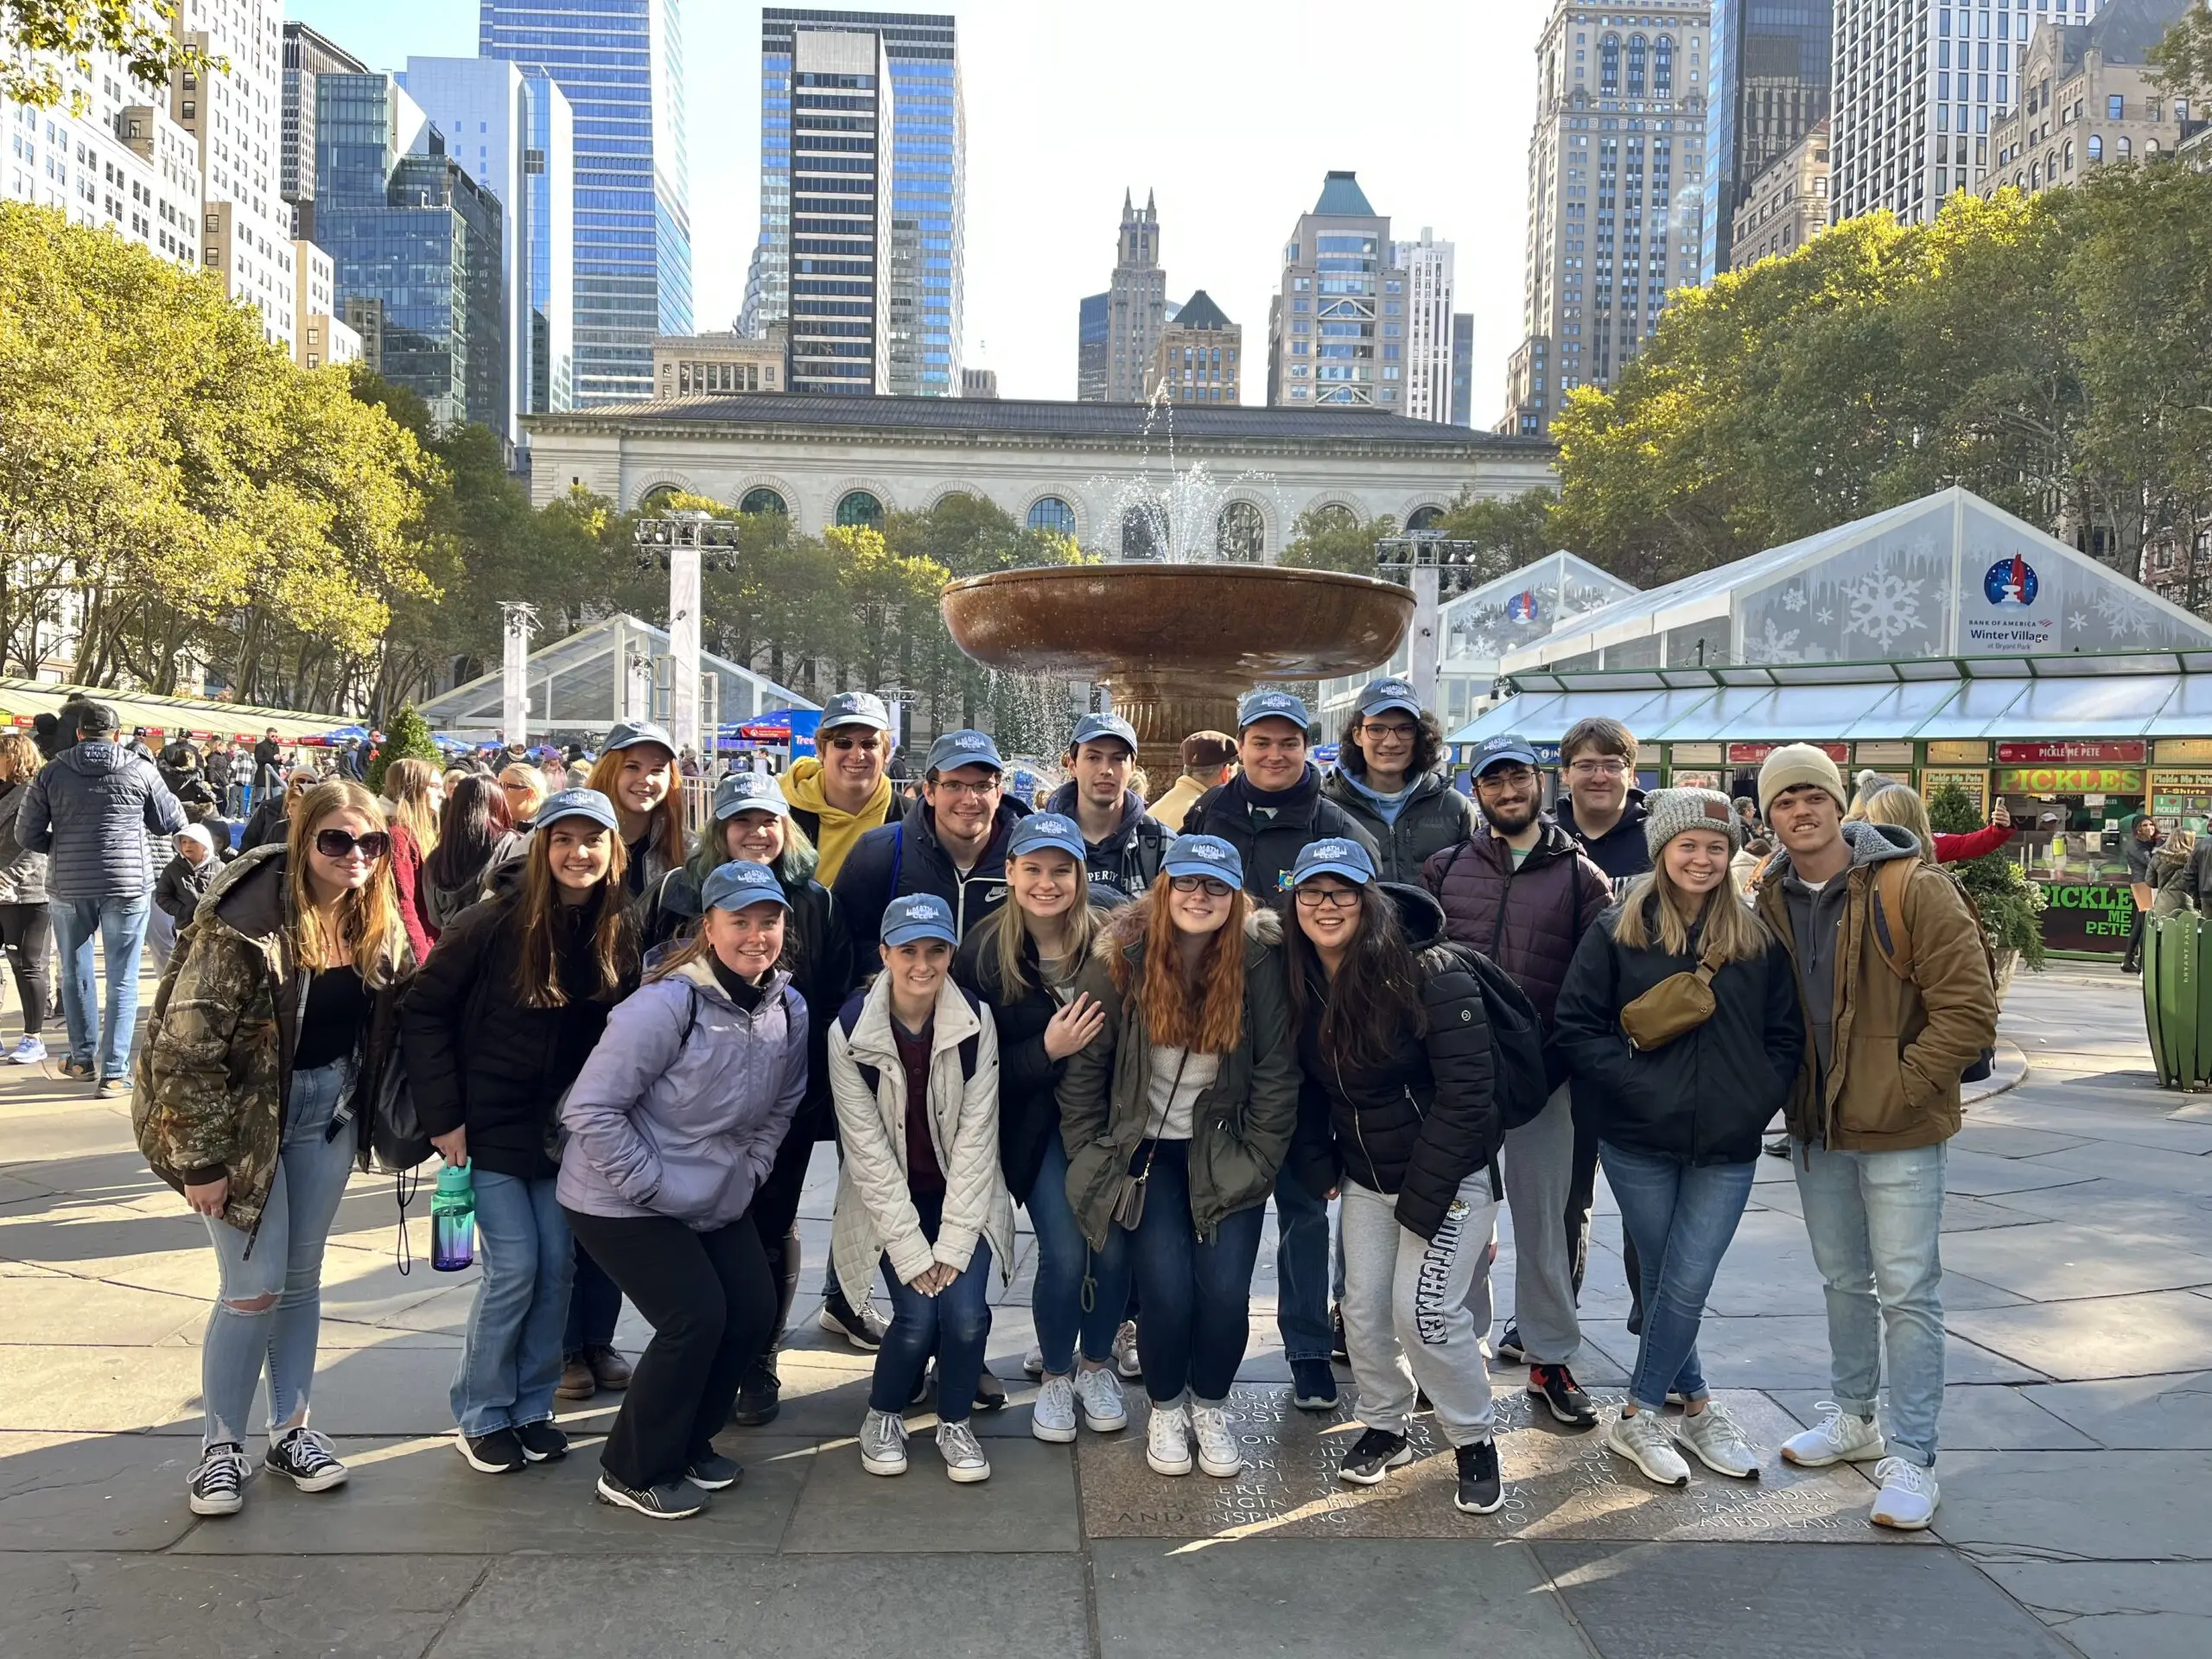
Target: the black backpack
pixel 849 1016
pixel 1516 1040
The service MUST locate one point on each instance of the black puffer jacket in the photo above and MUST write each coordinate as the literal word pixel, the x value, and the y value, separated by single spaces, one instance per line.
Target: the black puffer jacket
pixel 1622 852
pixel 906 856
pixel 1435 817
pixel 1270 828
pixel 1029 1109
pixel 478 1058
pixel 1704 1098
pixel 1419 1126
pixel 1124 865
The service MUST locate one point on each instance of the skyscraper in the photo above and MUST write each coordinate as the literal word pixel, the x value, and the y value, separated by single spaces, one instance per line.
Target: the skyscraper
pixel 1768 88
pixel 1918 86
pixel 1336 326
pixel 307 55
pixel 110 154
pixel 237 116
pixel 1616 172
pixel 1427 266
pixel 1463 368
pixel 1091 331
pixel 620 64
pixel 1136 302
pixel 914 285
pixel 1196 360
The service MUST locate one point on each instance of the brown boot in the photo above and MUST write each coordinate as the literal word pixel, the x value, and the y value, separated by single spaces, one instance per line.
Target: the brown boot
pixel 576 1381
pixel 608 1369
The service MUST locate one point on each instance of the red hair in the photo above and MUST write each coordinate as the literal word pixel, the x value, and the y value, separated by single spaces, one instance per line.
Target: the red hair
pixel 1203 1011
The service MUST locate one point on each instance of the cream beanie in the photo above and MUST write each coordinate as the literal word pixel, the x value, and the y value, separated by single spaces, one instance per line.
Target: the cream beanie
pixel 1800 763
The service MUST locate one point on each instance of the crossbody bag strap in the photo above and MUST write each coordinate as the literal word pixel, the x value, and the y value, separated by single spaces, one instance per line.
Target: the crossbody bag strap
pixel 1145 1174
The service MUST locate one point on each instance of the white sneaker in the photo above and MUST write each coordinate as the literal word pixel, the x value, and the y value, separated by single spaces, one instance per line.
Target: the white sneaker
pixel 1644 1441
pixel 1099 1394
pixel 883 1443
pixel 1033 1362
pixel 963 1457
pixel 1908 1498
pixel 1718 1442
pixel 1167 1439
pixel 1841 1438
pixel 1051 1416
pixel 1217 1452
pixel 1125 1350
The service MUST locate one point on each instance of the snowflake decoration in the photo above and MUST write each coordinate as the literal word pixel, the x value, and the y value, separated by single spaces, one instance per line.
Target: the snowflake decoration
pixel 1773 646
pixel 2076 620
pixel 2126 611
pixel 1794 600
pixel 1923 548
pixel 1885 607
pixel 1824 616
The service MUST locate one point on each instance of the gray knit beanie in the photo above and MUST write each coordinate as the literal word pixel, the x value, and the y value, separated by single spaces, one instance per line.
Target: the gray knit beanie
pixel 1669 812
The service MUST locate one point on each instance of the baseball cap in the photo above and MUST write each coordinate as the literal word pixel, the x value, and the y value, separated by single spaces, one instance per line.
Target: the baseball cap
pixel 855 708
pixel 738 883
pixel 95 719
pixel 918 916
pixel 749 791
pixel 1333 855
pixel 964 748
pixel 1505 747
pixel 1047 829
pixel 1271 705
pixel 629 734
pixel 1091 727
pixel 578 804
pixel 1388 694
pixel 1205 856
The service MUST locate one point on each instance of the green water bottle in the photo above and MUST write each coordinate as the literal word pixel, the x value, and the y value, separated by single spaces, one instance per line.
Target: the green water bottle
pixel 453 1220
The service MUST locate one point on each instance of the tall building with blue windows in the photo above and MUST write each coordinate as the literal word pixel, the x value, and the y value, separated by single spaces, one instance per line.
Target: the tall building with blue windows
pixel 908 287
pixel 620 64
pixel 1767 87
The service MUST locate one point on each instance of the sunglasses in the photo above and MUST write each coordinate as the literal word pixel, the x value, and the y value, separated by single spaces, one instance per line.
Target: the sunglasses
pixel 335 844
pixel 1204 884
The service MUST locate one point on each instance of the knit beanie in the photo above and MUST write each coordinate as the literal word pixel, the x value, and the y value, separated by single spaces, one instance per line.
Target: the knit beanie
pixel 1669 812
pixel 1800 763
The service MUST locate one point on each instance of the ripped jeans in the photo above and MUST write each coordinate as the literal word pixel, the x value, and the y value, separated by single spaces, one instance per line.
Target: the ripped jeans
pixel 270 1309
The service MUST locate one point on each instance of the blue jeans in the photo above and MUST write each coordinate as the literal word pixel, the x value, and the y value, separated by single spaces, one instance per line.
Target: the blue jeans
pixel 1682 1217
pixel 1196 1291
pixel 512 1361
pixel 1301 1269
pixel 1063 1260
pixel 120 926
pixel 954 1325
pixel 279 1268
pixel 1874 1218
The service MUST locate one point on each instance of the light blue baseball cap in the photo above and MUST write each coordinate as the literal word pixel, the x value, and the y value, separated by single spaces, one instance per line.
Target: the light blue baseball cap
pixel 578 804
pixel 1257 705
pixel 1091 727
pixel 855 708
pixel 1333 855
pixel 629 734
pixel 1047 829
pixel 1205 856
pixel 1382 694
pixel 964 748
pixel 738 883
pixel 918 916
pixel 749 791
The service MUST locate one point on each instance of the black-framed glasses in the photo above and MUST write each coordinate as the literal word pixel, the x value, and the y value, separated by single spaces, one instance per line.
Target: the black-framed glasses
pixel 1382 730
pixel 1514 776
pixel 335 844
pixel 960 786
pixel 1328 898
pixel 1204 884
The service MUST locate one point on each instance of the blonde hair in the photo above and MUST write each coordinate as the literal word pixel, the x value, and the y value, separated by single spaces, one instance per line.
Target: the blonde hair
pixel 19 758
pixel 532 779
pixel 1082 926
pixel 407 787
pixel 1730 925
pixel 368 935
pixel 1900 805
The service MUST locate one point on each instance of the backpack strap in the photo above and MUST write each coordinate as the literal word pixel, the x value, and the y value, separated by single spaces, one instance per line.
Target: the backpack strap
pixel 1891 938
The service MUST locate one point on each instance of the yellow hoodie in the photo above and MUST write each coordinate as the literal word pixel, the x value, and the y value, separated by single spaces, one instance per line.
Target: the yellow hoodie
pixel 834 831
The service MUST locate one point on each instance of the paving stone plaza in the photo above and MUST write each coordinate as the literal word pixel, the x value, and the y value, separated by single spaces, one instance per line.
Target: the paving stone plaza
pixel 2076 1514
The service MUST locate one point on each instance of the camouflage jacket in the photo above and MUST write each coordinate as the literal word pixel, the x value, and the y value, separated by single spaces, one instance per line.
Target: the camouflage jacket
pixel 216 1070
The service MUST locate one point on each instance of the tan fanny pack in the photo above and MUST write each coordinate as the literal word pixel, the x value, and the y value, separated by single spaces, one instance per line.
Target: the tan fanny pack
pixel 1678 1004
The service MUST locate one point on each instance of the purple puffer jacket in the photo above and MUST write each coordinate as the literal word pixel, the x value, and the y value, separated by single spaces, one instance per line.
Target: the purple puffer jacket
pixel 660 1124
pixel 1528 918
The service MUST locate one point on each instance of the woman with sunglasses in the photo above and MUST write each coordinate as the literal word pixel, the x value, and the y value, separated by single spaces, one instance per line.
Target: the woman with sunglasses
pixel 412 799
pixel 524 789
pixel 637 772
pixel 1176 1118
pixel 1024 961
pixel 497 1024
pixel 1402 1119
pixel 268 1041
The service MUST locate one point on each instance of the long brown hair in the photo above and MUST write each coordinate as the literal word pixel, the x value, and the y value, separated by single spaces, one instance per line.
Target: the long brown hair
pixel 369 932
pixel 614 937
pixel 1204 1012
pixel 669 829
pixel 407 785
pixel 1373 1005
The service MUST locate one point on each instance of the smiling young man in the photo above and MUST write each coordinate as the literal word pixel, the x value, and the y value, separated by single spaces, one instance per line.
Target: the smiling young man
pixel 1389 778
pixel 1522 892
pixel 840 792
pixel 1124 843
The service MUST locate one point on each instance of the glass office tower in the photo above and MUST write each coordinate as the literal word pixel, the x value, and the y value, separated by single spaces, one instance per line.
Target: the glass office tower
pixel 1769 87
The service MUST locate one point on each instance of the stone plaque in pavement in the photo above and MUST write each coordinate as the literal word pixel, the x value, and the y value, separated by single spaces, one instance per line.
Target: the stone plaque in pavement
pixel 1558 1485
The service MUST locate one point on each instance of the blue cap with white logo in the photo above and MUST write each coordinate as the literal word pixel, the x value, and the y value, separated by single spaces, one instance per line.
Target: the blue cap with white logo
pixel 918 916
pixel 1333 855
pixel 1505 749
pixel 749 791
pixel 964 748
pixel 1205 856
pixel 1091 727
pixel 738 883
pixel 1382 694
pixel 854 709
pixel 629 734
pixel 1271 705
pixel 1047 829
pixel 578 804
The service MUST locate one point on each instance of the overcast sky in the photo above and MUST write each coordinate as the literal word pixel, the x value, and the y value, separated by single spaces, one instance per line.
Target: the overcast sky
pixel 1229 111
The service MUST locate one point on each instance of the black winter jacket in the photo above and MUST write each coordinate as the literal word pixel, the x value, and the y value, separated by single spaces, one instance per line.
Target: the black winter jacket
pixel 1292 819
pixel 906 856
pixel 99 812
pixel 1435 816
pixel 1124 865
pixel 1622 852
pixel 181 885
pixel 267 825
pixel 1419 1126
pixel 478 1058
pixel 1704 1098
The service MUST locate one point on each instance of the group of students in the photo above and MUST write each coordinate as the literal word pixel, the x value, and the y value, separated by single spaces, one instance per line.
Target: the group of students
pixel 1352 989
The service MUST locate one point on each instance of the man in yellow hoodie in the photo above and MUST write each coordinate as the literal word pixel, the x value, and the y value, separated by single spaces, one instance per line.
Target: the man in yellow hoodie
pixel 839 797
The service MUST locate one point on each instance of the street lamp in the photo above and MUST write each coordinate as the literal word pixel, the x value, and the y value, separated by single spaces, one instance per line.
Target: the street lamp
pixel 1423 556
pixel 683 544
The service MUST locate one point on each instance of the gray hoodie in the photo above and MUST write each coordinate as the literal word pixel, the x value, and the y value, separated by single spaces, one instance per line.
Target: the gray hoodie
pixel 1815 913
pixel 92 810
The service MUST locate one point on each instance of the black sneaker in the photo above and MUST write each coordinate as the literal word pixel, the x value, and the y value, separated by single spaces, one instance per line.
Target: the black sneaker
pixel 217 1485
pixel 715 1473
pixel 112 1087
pixel 499 1452
pixel 990 1393
pixel 1777 1147
pixel 1510 1348
pixel 1373 1455
pixel 759 1397
pixel 1337 1351
pixel 1556 1387
pixel 674 1500
pixel 542 1443
pixel 1314 1385
pixel 864 1329
pixel 77 1071
pixel 1480 1492
pixel 305 1458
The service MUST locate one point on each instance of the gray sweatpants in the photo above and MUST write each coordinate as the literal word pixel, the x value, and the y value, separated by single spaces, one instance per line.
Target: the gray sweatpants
pixel 1405 1315
pixel 1539 1169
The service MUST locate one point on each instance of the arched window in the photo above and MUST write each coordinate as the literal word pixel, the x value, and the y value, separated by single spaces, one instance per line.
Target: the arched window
pixel 1241 533
pixel 1050 513
pixel 2126 147
pixel 2096 147
pixel 657 499
pixel 1141 534
pixel 1609 66
pixel 2035 176
pixel 2070 155
pixel 1662 66
pixel 1426 517
pixel 1334 515
pixel 2149 146
pixel 1636 58
pixel 860 509
pixel 763 501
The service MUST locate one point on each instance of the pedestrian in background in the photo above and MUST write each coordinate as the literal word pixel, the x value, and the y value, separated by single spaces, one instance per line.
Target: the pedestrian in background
pixel 1209 759
pixel 179 889
pixel 523 789
pixel 26 928
pixel 473 840
pixel 271 823
pixel 412 793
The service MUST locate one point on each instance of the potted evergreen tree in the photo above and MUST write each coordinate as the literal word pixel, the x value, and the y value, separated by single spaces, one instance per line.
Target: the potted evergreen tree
pixel 2011 905
pixel 409 735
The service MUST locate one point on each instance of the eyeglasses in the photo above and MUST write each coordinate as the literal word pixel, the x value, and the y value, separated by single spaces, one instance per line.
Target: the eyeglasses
pixel 335 844
pixel 1380 729
pixel 1204 884
pixel 1514 776
pixel 955 786
pixel 1598 768
pixel 1328 898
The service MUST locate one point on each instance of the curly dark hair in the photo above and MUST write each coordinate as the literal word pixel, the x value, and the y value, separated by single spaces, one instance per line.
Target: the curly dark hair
pixel 1428 746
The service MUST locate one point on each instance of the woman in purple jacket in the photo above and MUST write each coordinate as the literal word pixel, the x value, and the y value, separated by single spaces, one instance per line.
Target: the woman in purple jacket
pixel 672 1126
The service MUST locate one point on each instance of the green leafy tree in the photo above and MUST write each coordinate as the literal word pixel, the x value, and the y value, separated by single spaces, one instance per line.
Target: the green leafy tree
pixel 2181 62
pixel 44 39
pixel 2010 905
pixel 1509 533
pixel 408 738
pixel 1329 538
